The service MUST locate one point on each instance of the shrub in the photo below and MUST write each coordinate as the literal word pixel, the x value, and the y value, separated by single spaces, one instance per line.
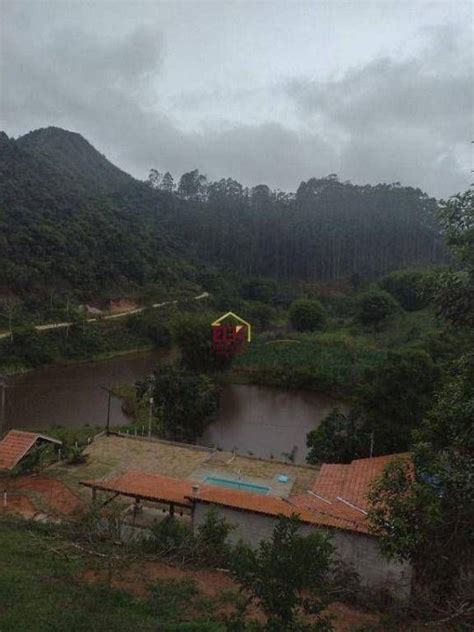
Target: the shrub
pixel 307 315
pixel 33 347
pixel 335 440
pixel 375 306
pixel 75 455
pixel 258 313
pixel 211 544
pixel 207 547
pixel 172 538
pixel 287 575
pixel 407 288
pixel 259 289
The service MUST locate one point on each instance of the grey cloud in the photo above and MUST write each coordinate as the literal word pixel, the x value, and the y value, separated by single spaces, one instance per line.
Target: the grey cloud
pixel 389 120
pixel 407 120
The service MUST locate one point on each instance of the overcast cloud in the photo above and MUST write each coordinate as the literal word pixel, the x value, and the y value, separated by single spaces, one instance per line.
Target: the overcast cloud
pixel 272 92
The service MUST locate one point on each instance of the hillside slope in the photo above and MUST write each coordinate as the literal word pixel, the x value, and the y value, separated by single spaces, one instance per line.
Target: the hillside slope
pixel 73 156
pixel 70 219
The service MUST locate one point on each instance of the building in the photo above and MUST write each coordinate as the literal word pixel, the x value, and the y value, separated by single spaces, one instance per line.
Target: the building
pixel 337 503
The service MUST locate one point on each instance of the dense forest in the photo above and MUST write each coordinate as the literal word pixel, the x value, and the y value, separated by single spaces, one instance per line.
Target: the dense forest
pixel 70 220
pixel 326 230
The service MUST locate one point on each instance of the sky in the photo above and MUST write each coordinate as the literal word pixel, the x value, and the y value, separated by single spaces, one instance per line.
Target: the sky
pixel 271 92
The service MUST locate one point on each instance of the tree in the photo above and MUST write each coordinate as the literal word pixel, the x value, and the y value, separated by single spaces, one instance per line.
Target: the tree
pixel 258 313
pixel 395 397
pixel 288 575
pixel 454 291
pixel 192 185
pixel 259 289
pixel 338 439
pixel 422 514
pixel 167 183
pixel 450 421
pixel 155 179
pixel 307 315
pixel 184 401
pixel 374 306
pixel 407 287
pixel 193 335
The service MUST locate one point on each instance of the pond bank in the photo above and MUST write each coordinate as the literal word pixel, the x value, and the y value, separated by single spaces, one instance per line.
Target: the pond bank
pixel 260 420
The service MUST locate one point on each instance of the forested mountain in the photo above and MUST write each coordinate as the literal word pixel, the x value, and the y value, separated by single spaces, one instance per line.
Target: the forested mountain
pixel 71 219
pixel 326 230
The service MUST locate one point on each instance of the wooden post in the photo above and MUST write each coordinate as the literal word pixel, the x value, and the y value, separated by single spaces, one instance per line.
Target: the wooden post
pixel 171 510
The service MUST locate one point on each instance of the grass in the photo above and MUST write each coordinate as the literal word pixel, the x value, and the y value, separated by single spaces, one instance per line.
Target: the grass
pixel 41 590
pixel 331 361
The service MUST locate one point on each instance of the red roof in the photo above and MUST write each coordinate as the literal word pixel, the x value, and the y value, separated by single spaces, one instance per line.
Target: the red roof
pixel 341 490
pixel 276 506
pixel 338 498
pixel 153 487
pixel 16 443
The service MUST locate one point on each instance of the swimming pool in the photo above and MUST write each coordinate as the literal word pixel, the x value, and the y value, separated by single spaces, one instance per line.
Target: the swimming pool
pixel 240 485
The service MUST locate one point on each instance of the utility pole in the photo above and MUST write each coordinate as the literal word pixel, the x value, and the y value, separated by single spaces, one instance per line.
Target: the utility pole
pixel 371 444
pixel 107 427
pixel 150 416
pixel 3 386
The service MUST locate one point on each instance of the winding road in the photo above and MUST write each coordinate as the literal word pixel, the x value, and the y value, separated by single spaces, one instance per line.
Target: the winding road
pixel 110 317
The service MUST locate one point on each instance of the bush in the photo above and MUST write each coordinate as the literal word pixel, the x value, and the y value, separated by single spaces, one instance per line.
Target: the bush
pixel 211 544
pixel 307 315
pixel 335 440
pixel 193 335
pixel 258 313
pixel 33 347
pixel 75 455
pixel 184 401
pixel 259 289
pixel 375 306
pixel 150 325
pixel 407 288
pixel 172 538
pixel 287 575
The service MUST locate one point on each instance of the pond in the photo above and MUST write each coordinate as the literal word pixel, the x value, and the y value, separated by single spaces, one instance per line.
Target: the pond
pixel 258 420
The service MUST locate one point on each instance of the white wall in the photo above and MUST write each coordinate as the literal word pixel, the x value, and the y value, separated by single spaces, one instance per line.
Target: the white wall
pixel 353 548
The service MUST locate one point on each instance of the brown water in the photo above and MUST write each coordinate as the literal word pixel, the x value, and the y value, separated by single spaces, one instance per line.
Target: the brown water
pixel 71 395
pixel 252 419
pixel 266 421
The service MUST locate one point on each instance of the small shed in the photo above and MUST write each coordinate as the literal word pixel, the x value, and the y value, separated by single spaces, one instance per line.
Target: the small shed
pixel 16 444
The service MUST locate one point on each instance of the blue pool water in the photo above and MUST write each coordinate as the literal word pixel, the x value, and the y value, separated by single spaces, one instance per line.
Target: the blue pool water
pixel 230 484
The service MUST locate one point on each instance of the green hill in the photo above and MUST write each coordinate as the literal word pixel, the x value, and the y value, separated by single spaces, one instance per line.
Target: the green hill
pixel 71 219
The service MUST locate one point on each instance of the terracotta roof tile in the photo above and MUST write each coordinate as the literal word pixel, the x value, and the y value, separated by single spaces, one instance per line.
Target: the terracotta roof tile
pixel 275 506
pixel 338 487
pixel 15 444
pixel 153 487
pixel 361 475
pixel 330 480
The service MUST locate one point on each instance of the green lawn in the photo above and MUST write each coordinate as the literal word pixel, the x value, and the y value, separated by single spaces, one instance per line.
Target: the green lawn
pixel 41 591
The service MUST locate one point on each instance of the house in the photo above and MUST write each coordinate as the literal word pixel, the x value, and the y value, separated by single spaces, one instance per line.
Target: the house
pixel 17 444
pixel 337 503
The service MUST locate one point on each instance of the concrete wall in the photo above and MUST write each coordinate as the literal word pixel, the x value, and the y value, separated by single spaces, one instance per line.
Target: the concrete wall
pixel 352 548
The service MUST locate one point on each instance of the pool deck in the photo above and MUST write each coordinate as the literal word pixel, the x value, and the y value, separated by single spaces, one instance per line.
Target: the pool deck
pixel 108 457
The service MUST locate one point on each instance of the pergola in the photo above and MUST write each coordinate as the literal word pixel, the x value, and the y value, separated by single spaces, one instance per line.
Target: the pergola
pixel 145 487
